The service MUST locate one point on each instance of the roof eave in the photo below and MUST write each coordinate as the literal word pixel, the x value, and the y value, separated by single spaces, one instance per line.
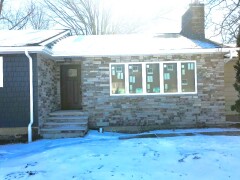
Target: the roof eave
pixel 30 49
pixel 57 37
pixel 159 52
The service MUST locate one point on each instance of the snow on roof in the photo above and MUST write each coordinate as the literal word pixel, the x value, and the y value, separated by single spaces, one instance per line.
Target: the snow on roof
pixel 17 38
pixel 133 44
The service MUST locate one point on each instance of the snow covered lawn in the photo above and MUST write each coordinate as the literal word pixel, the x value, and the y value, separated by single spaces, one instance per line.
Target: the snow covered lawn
pixel 105 156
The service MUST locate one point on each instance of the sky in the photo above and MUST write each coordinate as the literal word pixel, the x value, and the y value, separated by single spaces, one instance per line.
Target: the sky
pixel 155 16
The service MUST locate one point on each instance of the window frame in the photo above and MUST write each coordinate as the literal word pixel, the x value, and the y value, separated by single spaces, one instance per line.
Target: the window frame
pixel 1 72
pixel 124 76
pixel 144 75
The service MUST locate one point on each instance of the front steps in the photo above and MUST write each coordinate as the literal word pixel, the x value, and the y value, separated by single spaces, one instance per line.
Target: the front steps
pixel 65 124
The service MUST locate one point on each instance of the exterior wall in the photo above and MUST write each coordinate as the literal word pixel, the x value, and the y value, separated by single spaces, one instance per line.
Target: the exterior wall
pixel 206 108
pixel 48 87
pixel 14 96
pixel 49 96
pixel 230 92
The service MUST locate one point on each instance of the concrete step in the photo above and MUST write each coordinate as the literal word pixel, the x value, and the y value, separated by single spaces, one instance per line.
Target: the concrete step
pixel 67 119
pixel 63 132
pixel 64 128
pixel 49 135
pixel 68 113
pixel 65 124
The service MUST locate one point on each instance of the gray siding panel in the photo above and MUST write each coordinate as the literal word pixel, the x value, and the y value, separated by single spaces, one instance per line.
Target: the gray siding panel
pixel 14 96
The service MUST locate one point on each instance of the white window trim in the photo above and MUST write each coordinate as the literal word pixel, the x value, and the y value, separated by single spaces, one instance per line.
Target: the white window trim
pixel 1 71
pixel 161 69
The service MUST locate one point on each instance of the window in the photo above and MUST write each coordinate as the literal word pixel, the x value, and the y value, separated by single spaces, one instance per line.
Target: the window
pixel 188 77
pixel 118 79
pixel 170 77
pixel 145 78
pixel 72 72
pixel 153 78
pixel 1 71
pixel 135 78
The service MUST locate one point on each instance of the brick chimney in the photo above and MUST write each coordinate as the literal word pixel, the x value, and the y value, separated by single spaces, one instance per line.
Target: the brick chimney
pixel 193 21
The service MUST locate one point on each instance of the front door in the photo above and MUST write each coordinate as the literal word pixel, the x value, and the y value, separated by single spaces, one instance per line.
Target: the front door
pixel 71 87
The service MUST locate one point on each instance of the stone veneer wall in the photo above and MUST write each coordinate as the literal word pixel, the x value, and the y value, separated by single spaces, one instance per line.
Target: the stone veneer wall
pixel 48 82
pixel 206 108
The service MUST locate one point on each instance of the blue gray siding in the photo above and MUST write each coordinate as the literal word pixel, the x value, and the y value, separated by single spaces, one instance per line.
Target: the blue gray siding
pixel 14 96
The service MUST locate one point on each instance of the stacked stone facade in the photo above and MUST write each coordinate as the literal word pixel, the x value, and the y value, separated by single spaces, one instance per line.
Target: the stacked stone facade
pixel 48 82
pixel 206 108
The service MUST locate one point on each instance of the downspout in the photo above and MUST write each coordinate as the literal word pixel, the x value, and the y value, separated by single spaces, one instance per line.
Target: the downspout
pixel 31 96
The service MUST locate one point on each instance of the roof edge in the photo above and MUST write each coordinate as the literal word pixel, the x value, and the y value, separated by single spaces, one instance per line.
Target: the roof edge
pixel 30 49
pixel 57 37
pixel 160 52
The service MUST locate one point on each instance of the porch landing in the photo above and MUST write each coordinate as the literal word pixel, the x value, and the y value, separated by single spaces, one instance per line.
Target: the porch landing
pixel 65 124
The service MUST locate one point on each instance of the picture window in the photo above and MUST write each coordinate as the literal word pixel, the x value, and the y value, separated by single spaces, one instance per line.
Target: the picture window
pixel 171 77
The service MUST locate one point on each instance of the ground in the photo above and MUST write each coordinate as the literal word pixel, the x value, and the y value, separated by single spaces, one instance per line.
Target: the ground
pixel 120 156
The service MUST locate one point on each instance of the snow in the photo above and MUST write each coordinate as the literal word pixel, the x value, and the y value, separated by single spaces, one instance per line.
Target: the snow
pixel 26 37
pixel 105 156
pixel 131 44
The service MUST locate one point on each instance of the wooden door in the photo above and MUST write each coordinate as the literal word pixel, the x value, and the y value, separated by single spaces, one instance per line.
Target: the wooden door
pixel 71 96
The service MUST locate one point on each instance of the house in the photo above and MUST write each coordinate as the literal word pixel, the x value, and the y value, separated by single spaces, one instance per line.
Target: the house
pixel 116 82
pixel 229 79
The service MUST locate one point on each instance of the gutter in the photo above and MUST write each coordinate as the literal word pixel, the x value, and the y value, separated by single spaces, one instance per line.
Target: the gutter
pixel 31 96
pixel 20 50
pixel 89 53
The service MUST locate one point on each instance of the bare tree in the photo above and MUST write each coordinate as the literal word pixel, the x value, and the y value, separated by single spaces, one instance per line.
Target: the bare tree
pixel 38 18
pixel 81 16
pixel 31 15
pixel 14 19
pixel 228 23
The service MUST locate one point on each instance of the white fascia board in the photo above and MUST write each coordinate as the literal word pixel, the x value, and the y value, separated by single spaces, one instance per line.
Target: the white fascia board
pixel 30 49
pixel 160 52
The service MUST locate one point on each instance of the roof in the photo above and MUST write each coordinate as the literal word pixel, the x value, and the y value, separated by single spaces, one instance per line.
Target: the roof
pixel 60 43
pixel 20 38
pixel 133 44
